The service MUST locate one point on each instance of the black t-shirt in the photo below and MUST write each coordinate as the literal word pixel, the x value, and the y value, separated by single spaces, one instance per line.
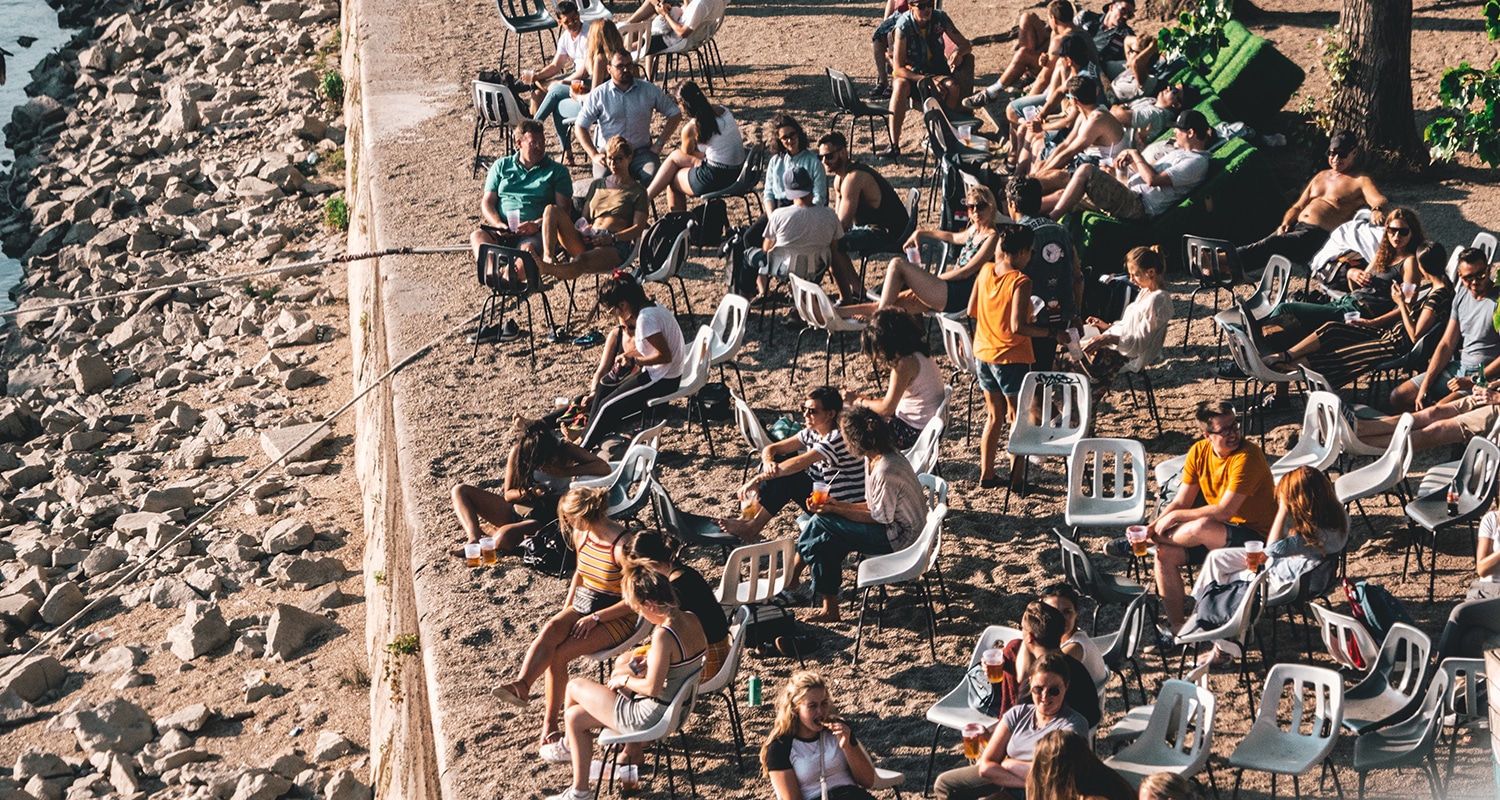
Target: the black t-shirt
pixel 1081 695
pixel 694 594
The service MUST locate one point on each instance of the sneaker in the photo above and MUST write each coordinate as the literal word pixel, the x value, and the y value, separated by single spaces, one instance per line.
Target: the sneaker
pixel 881 92
pixel 555 752
pixel 489 333
pixel 589 339
pixel 1165 641
pixel 888 153
pixel 976 100
pixel 509 331
pixel 571 794
pixel 1230 371
pixel 1119 547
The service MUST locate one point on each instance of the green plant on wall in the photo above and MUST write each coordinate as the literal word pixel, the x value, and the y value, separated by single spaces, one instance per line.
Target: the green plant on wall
pixel 1470 117
pixel 1198 34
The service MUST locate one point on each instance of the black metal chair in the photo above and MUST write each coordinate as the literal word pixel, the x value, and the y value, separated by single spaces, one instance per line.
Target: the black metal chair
pixel 522 17
pixel 846 101
pixel 744 187
pixel 1216 264
pixel 687 527
pixel 493 271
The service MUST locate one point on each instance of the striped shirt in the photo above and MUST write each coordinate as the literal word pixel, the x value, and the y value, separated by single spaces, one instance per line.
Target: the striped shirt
pixel 840 469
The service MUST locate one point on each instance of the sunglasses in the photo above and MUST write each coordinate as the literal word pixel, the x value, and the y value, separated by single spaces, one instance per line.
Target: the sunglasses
pixel 829 156
pixel 790 137
pixel 1337 154
pixel 1472 278
pixel 811 410
pixel 1224 431
pixel 1398 231
pixel 1046 691
pixel 977 206
pixel 922 5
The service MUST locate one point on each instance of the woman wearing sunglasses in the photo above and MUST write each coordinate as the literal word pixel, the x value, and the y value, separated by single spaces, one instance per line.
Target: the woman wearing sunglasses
pixel 911 288
pixel 1007 758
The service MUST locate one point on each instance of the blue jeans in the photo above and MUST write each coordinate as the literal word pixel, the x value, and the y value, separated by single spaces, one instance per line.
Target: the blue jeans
pixel 828 538
pixel 558 100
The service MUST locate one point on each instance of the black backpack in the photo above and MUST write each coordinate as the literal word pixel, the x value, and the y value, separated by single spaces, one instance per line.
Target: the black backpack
pixel 546 552
pixel 712 219
pixel 658 239
pixel 739 274
pixel 1375 607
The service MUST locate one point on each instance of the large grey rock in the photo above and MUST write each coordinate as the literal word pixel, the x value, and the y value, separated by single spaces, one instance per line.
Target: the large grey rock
pixel 291 628
pixel 260 785
pixel 14 710
pixel 279 441
pixel 168 498
pixel 65 600
pixel 19 608
pixel 103 559
pixel 287 535
pixel 190 719
pixel 114 726
pixel 17 423
pixel 309 572
pixel 33 679
pixel 91 374
pixel 116 659
pixel 331 746
pixel 201 631
pixel 170 591
pixel 35 763
pixel 28 476
pixel 344 786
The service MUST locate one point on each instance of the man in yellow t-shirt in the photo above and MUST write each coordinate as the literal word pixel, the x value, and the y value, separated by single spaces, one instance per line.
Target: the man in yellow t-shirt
pixel 1239 503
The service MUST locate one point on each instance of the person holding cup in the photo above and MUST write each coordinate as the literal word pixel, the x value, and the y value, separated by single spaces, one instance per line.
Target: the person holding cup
pixel 1311 527
pixel 572 45
pixel 1007 759
pixel 810 753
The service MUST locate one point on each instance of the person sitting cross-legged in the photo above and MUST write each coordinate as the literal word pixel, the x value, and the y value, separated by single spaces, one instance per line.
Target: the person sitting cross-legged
pixel 1230 474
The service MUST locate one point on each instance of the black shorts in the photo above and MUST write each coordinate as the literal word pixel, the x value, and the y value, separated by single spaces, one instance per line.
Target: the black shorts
pixel 958 295
pixel 706 178
pixel 1234 536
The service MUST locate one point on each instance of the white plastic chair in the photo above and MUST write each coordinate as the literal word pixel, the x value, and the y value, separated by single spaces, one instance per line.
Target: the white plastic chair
pixel 1094 503
pixel 1347 640
pixel 935 492
pixel 923 454
pixel 1065 406
pixel 495 108
pixel 1247 358
pixel 960 349
pixel 1464 677
pixel 818 313
pixel 1133 724
pixel 1410 742
pixel 908 564
pixel 751 430
pixel 1484 240
pixel 1239 629
pixel 953 711
pixel 671 722
pixel 728 326
pixel 1168 476
pixel 755 573
pixel 1392 686
pixel 804 262
pixel 630 493
pixel 722 683
pixel 694 378
pixel 1316 697
pixel 1104 587
pixel 1321 441
pixel 1178 737
pixel 1119 647
pixel 1384 474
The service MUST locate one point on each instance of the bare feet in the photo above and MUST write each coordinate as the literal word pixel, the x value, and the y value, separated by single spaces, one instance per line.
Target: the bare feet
pixel 740 528
pixel 824 616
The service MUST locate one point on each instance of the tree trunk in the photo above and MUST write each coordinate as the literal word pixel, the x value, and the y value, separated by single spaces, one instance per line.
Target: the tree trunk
pixel 1374 99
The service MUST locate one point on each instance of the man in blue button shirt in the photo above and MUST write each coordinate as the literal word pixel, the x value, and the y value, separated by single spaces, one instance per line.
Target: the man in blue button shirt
pixel 622 107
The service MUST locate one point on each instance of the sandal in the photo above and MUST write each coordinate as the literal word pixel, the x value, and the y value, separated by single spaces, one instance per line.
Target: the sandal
pixel 506 695
pixel 1215 658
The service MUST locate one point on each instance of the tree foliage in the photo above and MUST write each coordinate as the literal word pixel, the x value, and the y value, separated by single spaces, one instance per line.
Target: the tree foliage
pixel 1470 119
pixel 1198 34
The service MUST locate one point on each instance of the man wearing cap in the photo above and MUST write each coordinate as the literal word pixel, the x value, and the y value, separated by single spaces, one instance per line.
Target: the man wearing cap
pixel 803 225
pixel 622 106
pixel 1153 180
pixel 1331 198
pixel 1151 116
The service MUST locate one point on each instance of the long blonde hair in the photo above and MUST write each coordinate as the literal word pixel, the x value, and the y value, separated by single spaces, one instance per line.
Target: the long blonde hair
pixel 785 723
pixel 1166 786
pixel 604 41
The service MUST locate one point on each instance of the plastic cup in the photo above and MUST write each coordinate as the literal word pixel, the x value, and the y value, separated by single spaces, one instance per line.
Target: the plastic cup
pixel 487 555
pixel 528 76
pixel 965 132
pixel 750 507
pixel 513 219
pixel 1136 534
pixel 562 402
pixel 1255 555
pixel 994 665
pixel 819 494
pixel 914 255
pixel 473 554
pixel 630 777
pixel 1409 291
pixel 1350 316
pixel 1073 349
pixel 579 87
pixel 973 741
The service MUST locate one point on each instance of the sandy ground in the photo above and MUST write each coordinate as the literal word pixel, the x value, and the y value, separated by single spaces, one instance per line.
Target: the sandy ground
pixel 456 411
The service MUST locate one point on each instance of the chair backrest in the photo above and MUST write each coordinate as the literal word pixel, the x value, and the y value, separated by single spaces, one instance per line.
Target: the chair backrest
pixel 1238 627
pixel 1484 240
pixel 995 636
pixel 1464 675
pixel 1476 476
pixel 913 200
pixel 637 37
pixel 1247 358
pixel 845 98
pixel 1316 727
pixel 1135 625
pixel 1077 566
pixel 1347 640
pixel 1322 438
pixel 1402 664
pixel 801 262
pixel 754 573
pixel 1385 471
pixel 651 437
pixel 493 269
pixel 911 561
pixel 676 257
pixel 958 344
pixel 1272 287
pixel 1179 733
pixel 516 9
pixel 941 139
pixel 811 302
pixel 724 678
pixel 749 424
pixel 1214 262
pixel 495 104
pixel 923 454
pixel 1063 400
pixel 1107 476
pixel 728 325
pixel 695 372
pixel 635 477
pixel 934 490
pixel 1316 381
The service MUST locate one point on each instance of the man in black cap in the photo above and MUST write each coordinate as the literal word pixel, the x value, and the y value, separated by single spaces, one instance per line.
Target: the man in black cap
pixel 804 225
pixel 1149 181
pixel 1331 198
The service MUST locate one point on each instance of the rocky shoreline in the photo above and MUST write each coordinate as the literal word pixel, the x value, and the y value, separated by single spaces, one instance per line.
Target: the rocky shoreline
pixel 171 142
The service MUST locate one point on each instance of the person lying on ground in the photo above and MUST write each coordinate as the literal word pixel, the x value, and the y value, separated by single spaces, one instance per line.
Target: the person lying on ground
pixel 595 615
pixel 1329 200
pixel 896 342
pixel 790 467
pixel 1144 183
pixel 1230 474
pixel 890 518
pixel 643 685
pixel 711 156
pixel 929 49
pixel 910 287
pixel 616 214
pixel 538 472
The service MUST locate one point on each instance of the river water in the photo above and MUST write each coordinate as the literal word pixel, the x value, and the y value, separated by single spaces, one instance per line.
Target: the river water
pixel 20 19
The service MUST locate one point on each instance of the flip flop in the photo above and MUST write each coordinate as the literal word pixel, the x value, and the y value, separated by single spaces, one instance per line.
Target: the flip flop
pixel 505 695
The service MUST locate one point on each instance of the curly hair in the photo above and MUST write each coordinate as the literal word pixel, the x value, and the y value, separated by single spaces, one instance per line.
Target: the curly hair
pixel 1385 254
pixel 866 433
pixel 892 335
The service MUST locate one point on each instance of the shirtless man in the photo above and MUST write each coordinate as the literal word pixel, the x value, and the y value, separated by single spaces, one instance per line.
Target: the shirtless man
pixel 853 190
pixel 1076 61
pixel 1037 44
pixel 1330 199
pixel 1096 136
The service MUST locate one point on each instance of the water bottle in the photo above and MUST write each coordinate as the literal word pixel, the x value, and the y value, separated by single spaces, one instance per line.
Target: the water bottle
pixel 754 686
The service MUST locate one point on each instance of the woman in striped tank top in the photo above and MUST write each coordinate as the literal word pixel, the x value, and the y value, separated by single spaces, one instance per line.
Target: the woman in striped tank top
pixel 595 617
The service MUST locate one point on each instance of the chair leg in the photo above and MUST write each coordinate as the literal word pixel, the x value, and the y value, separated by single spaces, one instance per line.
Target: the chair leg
pixel 937 731
pixel 1187 327
pixel 859 630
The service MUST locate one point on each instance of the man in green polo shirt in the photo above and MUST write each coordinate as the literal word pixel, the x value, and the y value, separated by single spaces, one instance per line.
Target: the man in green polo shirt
pixel 516 191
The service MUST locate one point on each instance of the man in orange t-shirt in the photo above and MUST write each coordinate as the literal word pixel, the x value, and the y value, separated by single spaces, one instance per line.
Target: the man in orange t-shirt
pixel 1230 473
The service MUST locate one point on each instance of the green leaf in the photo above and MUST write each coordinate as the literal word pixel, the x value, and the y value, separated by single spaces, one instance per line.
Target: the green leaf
pixel 1492 19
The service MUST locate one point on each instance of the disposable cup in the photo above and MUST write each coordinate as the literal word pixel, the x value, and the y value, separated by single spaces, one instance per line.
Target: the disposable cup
pixel 994 664
pixel 473 554
pixel 1409 291
pixel 1350 316
pixel 914 255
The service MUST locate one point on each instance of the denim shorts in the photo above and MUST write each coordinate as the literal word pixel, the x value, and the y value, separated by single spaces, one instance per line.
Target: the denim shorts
pixel 1003 378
